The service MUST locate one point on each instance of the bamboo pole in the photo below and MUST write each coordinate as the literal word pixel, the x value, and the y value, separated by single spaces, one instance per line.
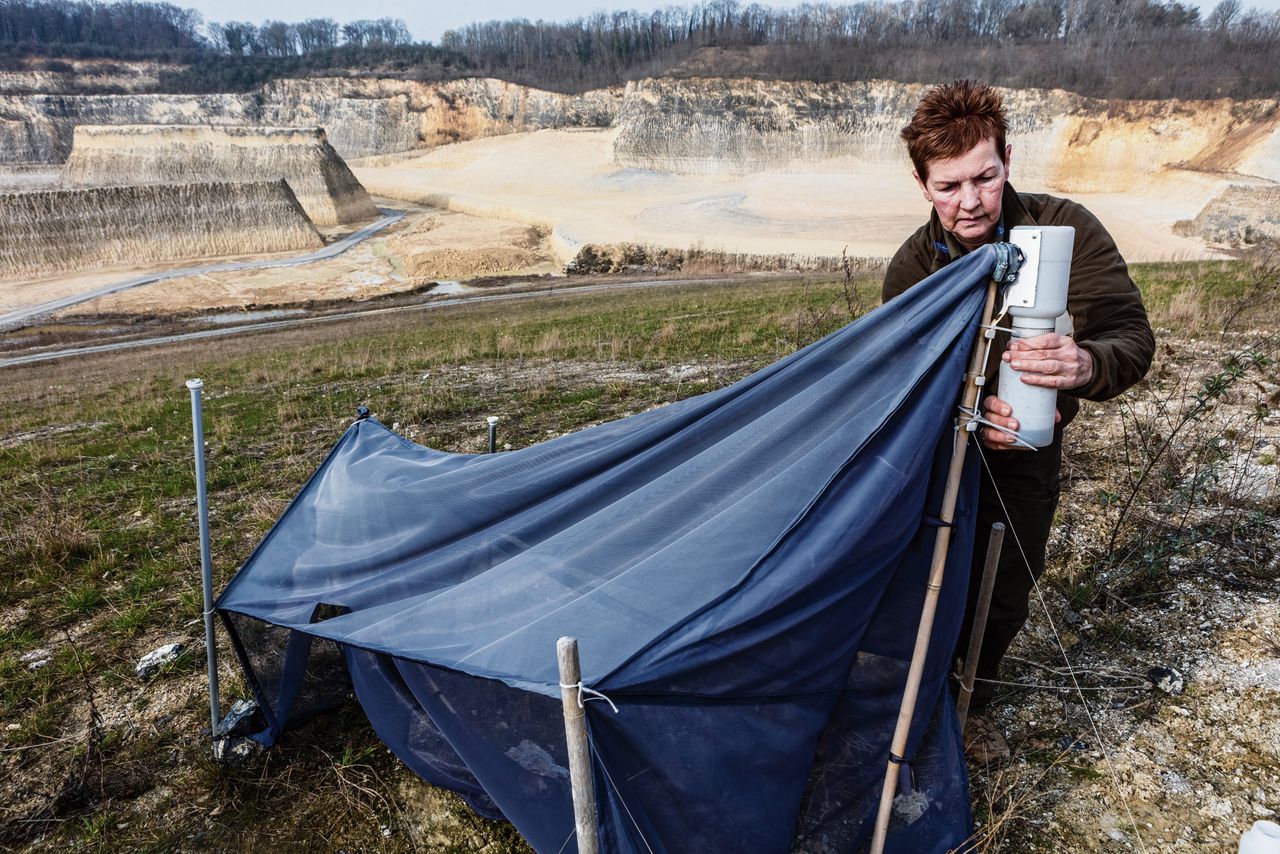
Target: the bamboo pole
pixel 575 732
pixel 937 569
pixel 979 627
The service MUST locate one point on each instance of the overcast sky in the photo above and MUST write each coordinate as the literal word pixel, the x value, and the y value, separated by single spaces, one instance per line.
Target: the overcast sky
pixel 427 19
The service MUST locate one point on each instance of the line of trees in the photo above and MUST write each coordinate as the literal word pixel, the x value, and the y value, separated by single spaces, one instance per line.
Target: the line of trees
pixel 1110 48
pixel 122 28
pixel 1107 48
pixel 133 28
pixel 280 38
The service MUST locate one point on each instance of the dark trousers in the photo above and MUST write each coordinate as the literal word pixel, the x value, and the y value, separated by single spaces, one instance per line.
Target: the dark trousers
pixel 1029 483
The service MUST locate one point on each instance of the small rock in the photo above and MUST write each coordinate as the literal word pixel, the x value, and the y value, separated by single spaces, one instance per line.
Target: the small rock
pixel 150 663
pixel 1175 783
pixel 910 807
pixel 36 659
pixel 13 727
pixel 234 750
pixel 217 811
pixel 1166 679
pixel 240 720
pixel 1217 808
pixel 533 757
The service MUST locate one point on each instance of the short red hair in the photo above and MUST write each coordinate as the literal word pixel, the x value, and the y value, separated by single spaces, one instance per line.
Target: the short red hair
pixel 951 119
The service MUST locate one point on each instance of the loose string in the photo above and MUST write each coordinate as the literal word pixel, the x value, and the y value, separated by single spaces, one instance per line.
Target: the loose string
pixel 595 695
pixel 617 792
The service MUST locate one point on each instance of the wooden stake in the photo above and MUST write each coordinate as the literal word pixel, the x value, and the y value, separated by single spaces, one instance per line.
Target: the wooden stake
pixel 938 567
pixel 575 733
pixel 979 627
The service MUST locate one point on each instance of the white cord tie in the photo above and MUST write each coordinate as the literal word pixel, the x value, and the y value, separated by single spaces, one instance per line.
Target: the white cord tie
pixel 975 419
pixel 595 695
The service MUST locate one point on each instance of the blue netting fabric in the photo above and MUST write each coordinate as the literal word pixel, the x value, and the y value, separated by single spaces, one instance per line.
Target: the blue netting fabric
pixel 743 570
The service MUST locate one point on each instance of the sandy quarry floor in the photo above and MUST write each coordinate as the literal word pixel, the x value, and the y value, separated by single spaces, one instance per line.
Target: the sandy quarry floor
pixel 567 180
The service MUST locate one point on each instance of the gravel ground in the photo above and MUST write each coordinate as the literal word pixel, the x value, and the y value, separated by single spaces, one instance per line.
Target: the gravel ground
pixel 1172 742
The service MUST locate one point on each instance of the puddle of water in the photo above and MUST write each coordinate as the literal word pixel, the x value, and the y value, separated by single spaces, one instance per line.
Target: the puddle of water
pixel 450 287
pixel 230 317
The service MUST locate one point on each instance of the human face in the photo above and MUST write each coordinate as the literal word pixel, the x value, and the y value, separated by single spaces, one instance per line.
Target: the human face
pixel 966 191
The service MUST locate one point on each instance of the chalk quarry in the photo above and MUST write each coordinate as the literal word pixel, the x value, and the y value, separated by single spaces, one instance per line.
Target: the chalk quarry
pixel 754 168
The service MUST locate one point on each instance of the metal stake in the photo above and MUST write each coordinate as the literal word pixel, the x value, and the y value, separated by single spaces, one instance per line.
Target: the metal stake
pixel 206 564
pixel 575 733
pixel 937 570
pixel 979 627
pixel 493 433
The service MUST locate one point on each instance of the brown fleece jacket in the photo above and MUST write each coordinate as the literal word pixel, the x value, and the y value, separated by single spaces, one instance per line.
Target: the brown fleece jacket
pixel 1105 306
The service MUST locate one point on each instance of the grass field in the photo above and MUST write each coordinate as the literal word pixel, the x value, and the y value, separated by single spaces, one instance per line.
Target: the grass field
pixel 99 561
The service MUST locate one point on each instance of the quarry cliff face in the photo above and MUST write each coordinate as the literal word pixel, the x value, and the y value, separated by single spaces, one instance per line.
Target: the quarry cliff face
pixel 699 125
pixel 1061 140
pixel 406 115
pixel 182 154
pixel 81 75
pixel 362 117
pixel 60 231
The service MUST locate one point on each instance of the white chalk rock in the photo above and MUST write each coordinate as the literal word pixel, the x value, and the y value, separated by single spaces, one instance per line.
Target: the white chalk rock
pixel 150 663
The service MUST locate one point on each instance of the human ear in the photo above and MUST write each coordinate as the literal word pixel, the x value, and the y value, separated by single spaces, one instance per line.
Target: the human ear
pixel 1008 153
pixel 923 187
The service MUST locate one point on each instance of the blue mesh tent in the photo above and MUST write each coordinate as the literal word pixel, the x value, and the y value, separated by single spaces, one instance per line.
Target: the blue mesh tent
pixel 744 571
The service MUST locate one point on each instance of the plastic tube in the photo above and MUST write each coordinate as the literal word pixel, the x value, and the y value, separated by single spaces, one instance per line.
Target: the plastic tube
pixel 1035 301
pixel 1262 838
